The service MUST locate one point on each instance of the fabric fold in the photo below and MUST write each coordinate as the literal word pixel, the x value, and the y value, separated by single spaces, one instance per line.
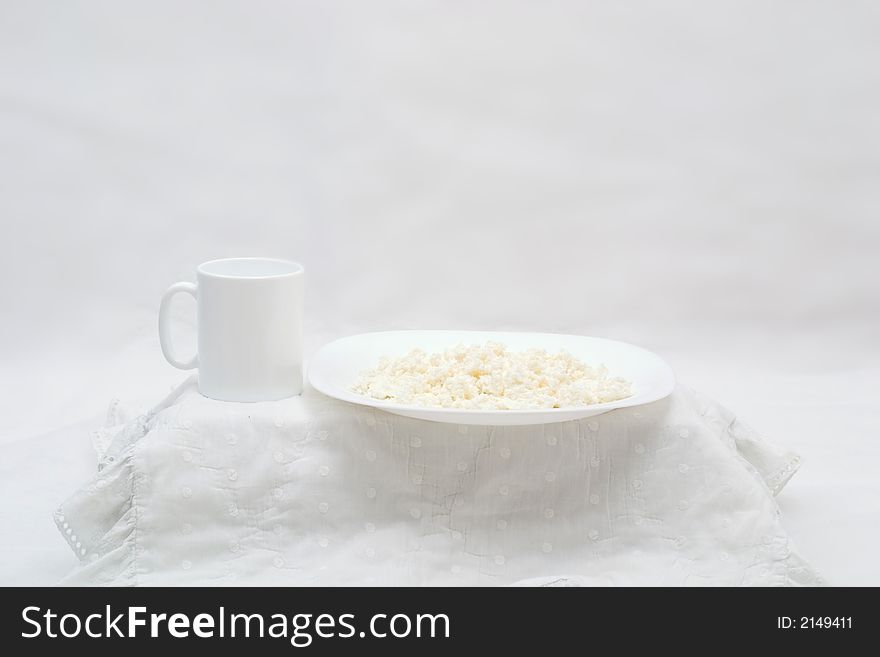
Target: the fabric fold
pixel 311 491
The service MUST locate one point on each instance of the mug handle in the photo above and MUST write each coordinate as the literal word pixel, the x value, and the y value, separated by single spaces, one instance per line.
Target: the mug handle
pixel 165 329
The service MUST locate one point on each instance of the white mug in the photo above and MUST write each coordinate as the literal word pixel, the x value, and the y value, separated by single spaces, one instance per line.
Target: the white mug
pixel 249 329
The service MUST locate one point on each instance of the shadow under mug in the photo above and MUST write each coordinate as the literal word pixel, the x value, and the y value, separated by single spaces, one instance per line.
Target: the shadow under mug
pixel 249 328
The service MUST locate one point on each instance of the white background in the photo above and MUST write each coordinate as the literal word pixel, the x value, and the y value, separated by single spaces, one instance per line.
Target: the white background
pixel 700 178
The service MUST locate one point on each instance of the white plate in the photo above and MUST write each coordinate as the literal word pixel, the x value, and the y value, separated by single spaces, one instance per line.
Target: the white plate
pixel 337 365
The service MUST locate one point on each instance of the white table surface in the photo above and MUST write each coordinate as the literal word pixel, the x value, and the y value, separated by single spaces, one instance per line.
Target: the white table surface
pixel 829 508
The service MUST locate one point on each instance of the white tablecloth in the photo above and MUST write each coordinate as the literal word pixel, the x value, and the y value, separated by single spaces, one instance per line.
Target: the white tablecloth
pixel 310 491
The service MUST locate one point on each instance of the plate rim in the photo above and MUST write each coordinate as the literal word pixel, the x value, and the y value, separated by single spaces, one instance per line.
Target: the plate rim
pixel 593 409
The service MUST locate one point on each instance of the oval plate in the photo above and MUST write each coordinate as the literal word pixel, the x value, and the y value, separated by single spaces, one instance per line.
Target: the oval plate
pixel 337 366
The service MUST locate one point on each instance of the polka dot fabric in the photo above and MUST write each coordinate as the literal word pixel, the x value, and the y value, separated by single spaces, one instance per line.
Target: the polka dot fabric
pixel 311 491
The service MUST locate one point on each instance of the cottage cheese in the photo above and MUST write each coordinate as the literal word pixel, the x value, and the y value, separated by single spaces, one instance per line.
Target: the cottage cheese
pixel 491 377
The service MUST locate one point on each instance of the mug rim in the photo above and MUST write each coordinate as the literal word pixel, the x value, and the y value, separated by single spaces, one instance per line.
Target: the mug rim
pixel 295 268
